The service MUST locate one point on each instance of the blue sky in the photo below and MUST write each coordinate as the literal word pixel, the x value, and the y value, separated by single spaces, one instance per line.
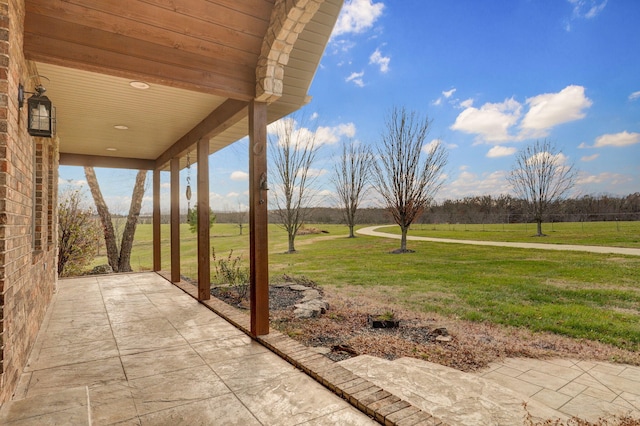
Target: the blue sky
pixel 493 76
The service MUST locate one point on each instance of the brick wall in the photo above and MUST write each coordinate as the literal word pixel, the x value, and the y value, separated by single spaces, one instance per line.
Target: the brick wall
pixel 28 175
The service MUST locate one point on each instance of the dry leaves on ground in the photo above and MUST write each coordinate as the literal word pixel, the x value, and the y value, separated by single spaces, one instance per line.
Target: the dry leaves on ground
pixel 472 346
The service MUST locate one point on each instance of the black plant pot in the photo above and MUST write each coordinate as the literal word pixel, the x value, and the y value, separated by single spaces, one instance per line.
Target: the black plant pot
pixel 381 323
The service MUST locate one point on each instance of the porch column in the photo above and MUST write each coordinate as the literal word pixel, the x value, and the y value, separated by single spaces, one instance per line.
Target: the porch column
pixel 258 221
pixel 156 220
pixel 204 261
pixel 175 220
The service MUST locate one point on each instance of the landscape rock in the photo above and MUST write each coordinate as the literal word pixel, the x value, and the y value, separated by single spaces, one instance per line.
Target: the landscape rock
pixel 102 269
pixel 298 287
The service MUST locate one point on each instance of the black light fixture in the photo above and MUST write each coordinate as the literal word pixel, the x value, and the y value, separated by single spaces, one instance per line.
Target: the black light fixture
pixel 41 115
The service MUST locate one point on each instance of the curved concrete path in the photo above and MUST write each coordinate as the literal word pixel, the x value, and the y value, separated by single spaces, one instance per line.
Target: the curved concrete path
pixel 371 231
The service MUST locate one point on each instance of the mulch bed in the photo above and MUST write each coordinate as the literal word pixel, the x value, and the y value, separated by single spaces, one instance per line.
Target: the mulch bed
pixel 345 331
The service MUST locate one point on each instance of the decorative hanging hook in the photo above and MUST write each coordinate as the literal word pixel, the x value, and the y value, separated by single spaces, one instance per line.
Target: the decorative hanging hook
pixel 188 194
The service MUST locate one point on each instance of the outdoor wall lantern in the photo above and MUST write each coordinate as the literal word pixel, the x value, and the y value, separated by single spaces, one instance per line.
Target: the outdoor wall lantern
pixel 41 115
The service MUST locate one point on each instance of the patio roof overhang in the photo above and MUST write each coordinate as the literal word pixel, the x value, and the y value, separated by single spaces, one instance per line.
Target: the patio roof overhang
pixel 203 59
pixel 217 70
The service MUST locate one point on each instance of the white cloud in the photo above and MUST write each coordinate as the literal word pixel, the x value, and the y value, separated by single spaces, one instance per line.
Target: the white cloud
pixel 550 109
pixel 587 8
pixel 357 16
pixel 311 172
pixel 429 147
pixel 315 115
pixel 491 122
pixel 331 135
pixel 466 103
pixel 618 139
pixel 470 184
pixel 583 146
pixel 323 135
pixel 634 96
pixel 548 158
pixel 588 158
pixel 232 194
pixel 348 129
pixel 376 58
pixel 239 176
pixel 584 9
pixel 501 151
pixel 447 94
pixel 72 182
pixel 605 177
pixel 434 142
pixel 356 78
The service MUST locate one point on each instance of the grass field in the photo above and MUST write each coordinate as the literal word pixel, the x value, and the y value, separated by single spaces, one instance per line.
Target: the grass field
pixel 615 234
pixel 581 295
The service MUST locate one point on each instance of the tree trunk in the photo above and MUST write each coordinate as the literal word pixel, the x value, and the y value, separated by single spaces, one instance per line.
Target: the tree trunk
pixel 539 225
pixel 105 218
pixel 351 233
pixel 292 248
pixel 124 261
pixel 403 239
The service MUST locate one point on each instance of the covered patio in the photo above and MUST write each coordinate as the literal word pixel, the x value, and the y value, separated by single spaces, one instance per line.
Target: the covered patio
pixel 134 349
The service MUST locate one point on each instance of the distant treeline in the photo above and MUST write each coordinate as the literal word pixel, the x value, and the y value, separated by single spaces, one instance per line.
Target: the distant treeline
pixel 478 209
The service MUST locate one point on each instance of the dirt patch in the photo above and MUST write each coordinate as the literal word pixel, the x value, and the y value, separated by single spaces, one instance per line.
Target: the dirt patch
pixel 344 331
pixel 310 231
pixel 469 346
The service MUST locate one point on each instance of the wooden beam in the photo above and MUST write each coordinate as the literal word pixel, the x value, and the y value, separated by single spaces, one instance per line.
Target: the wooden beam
pixel 225 116
pixel 157 266
pixel 69 159
pixel 175 220
pixel 258 220
pixel 204 260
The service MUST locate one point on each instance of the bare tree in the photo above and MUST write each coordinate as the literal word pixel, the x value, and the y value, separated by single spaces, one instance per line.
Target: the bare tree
pixel 119 259
pixel 293 151
pixel 541 177
pixel 406 179
pixel 350 178
pixel 240 217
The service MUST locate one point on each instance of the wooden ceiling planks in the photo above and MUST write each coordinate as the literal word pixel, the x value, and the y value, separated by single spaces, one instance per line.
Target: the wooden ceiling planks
pixel 194 44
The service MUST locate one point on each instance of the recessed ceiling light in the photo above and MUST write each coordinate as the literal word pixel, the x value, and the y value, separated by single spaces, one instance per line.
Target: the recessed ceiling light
pixel 139 85
pixel 121 127
pixel 112 149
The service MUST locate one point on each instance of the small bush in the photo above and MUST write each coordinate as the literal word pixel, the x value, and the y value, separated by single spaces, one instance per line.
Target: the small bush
pixel 232 272
pixel 79 234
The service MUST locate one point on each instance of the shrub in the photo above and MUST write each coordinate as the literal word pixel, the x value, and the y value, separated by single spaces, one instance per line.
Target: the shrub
pixel 232 272
pixel 79 234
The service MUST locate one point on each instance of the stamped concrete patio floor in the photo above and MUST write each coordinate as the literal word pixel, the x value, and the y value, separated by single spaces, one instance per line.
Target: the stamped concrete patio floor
pixel 133 349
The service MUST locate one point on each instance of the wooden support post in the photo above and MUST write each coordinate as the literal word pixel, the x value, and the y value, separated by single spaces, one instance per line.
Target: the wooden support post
pixel 204 261
pixel 175 219
pixel 258 220
pixel 157 266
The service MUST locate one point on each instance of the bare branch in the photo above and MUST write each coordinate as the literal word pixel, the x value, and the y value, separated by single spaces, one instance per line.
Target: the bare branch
pixel 406 179
pixel 350 179
pixel 541 178
pixel 292 151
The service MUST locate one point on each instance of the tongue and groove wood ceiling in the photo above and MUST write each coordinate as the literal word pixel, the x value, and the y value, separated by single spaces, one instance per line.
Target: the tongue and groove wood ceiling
pixel 198 57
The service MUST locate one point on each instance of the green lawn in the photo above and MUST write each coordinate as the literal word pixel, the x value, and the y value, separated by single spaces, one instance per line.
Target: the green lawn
pixel 615 234
pixel 582 295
